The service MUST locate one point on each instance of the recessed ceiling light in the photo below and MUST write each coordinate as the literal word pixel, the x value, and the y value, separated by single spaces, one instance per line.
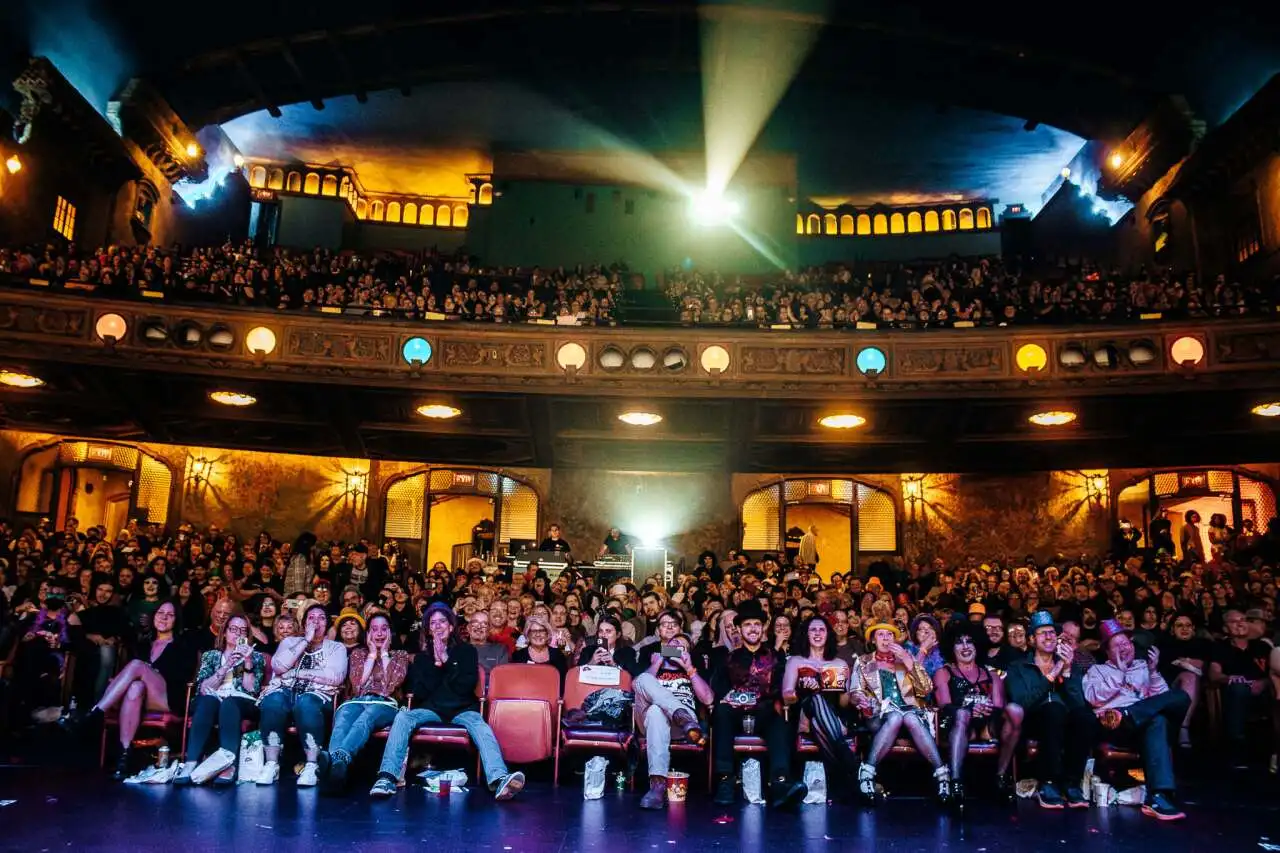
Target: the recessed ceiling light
pixel 1266 410
pixel 232 398
pixel 1054 418
pixel 640 418
pixel 14 379
pixel 844 421
pixel 439 411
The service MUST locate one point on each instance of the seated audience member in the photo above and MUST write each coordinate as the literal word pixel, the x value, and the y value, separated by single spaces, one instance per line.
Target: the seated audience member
pixel 155 680
pixel 374 673
pixel 538 631
pixel 1132 703
pixel 667 695
pixel 971 700
pixel 1054 713
pixel 604 650
pixel 98 633
pixel 923 643
pixel 41 654
pixel 1183 659
pixel 443 680
pixel 230 678
pixel 748 684
pixel 816 682
pixel 308 672
pixel 1239 668
pixel 349 630
pixel 849 643
pixel 489 653
pixel 501 629
pixel 889 688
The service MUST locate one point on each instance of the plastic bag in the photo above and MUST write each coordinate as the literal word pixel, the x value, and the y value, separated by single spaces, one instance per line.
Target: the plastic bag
pixel 154 775
pixel 815 778
pixel 431 780
pixel 1135 796
pixel 594 779
pixel 752 789
pixel 609 706
pixel 251 757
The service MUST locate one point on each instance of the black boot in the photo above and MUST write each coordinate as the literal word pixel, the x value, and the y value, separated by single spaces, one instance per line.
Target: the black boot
pixel 122 764
pixel 333 780
pixel 957 795
pixel 726 792
pixel 784 794
pixel 1006 791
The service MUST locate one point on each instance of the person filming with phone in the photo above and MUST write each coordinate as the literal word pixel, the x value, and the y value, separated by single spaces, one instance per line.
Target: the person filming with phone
pixel 604 649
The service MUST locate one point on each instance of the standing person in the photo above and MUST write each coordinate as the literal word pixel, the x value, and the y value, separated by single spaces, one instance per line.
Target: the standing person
pixel 748 684
pixel 1132 701
pixel 667 697
pixel 309 671
pixel 1049 691
pixel 299 572
pixel 443 679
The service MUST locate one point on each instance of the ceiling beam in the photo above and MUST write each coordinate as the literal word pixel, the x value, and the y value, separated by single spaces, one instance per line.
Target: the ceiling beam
pixel 357 87
pixel 292 62
pixel 255 88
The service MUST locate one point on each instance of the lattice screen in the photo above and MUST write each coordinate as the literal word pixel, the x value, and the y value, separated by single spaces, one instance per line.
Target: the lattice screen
pixel 877 521
pixel 405 507
pixel 441 479
pixel 80 452
pixel 761 519
pixel 1166 484
pixel 795 490
pixel 1220 481
pixel 487 483
pixel 155 482
pixel 519 511
pixel 1257 502
pixel 842 491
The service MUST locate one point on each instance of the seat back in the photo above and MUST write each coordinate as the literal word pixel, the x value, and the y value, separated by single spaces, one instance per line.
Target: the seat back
pixel 575 692
pixel 522 701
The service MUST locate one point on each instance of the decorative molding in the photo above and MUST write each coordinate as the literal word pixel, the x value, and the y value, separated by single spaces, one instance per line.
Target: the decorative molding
pixel 1245 347
pixel 473 354
pixel 917 361
pixel 142 115
pixel 38 320
pixel 337 346
pixel 820 361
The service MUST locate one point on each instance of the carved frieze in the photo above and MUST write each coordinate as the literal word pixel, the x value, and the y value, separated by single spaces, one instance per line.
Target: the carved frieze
pixel 33 320
pixel 948 360
pixel 313 343
pixel 820 361
pixel 1241 347
pixel 467 354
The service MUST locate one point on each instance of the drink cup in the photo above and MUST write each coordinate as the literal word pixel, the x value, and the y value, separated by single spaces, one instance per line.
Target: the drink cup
pixel 677 786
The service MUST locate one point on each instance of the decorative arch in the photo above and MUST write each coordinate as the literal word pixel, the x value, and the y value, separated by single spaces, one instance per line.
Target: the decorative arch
pixel 460 215
pixel 393 211
pixel 948 220
pixel 966 219
pixel 443 216
pixel 984 217
pixel 813 225
pixel 294 184
pixel 258 176
pixel 427 215
pixel 799 223
pixel 46 486
pixel 880 224
pixel 864 225
pixel 897 224
pixel 311 185
pixel 375 212
pixel 346 189
pixel 829 223
pixel 846 225
pixel 930 221
pixel 410 213
pixel 329 185
pixel 486 194
pixel 362 208
pixel 914 222
pixel 275 179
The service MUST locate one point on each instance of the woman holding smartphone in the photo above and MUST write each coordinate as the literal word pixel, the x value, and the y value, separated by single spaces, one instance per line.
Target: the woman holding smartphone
pixel 230 679
pixel 604 650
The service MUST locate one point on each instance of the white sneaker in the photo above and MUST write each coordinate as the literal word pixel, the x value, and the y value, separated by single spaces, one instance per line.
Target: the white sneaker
pixel 220 760
pixel 185 769
pixel 270 773
pixel 307 778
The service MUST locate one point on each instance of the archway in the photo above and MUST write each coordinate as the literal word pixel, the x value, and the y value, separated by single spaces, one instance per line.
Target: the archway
pixel 1239 494
pixel 97 483
pixel 449 514
pixel 852 521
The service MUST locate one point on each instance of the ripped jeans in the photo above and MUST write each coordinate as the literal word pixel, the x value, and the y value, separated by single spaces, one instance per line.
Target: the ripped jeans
pixel 307 709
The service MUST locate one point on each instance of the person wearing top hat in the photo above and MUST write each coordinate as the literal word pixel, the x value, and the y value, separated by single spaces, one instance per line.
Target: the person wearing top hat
pixel 889 687
pixel 971 700
pixel 1054 713
pixel 748 683
pixel 1133 703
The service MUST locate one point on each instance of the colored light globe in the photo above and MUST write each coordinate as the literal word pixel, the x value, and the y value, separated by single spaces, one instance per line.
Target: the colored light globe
pixel 416 351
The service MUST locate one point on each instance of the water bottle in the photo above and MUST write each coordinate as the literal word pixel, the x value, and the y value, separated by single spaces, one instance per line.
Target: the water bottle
pixel 620 781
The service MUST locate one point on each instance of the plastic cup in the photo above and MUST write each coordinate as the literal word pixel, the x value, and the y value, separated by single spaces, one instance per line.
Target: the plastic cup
pixel 677 786
pixel 446 785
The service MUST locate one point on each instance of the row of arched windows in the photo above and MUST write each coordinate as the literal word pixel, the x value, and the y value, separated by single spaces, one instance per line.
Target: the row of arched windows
pixel 449 215
pixel 410 213
pixel 913 222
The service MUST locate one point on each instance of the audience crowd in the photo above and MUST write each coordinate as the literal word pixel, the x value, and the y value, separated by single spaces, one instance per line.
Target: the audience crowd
pixel 985 291
pixel 320 645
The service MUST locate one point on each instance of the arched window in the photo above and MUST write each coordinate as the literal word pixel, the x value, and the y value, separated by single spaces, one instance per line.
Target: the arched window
pixel 410 213
pixel 258 176
pixel 799 223
pixel 864 224
pixel 897 224
pixel 275 180
pixel 312 185
pixel 144 204
pixel 443 216
pixel 471 193
pixel 486 194
pixel 427 215
pixel 393 211
pixel 329 186
pixel 913 222
pixel 813 225
pixel 984 217
pixel 362 208
pixel 460 214
pixel 931 220
pixel 948 220
pixel 375 213
pixel 966 219
pixel 830 222
pixel 295 183
pixel 880 225
pixel 846 225
pixel 345 189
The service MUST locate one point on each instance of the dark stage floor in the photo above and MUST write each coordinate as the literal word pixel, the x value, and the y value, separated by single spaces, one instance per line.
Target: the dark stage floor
pixel 77 810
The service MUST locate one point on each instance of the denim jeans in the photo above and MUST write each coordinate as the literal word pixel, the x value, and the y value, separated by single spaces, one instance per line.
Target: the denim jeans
pixel 396 752
pixel 355 722
pixel 1153 719
pixel 1064 737
pixel 308 711
pixel 227 714
pixel 1238 702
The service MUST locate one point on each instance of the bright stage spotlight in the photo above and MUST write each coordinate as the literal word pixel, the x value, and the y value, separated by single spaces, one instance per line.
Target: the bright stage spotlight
pixel 710 209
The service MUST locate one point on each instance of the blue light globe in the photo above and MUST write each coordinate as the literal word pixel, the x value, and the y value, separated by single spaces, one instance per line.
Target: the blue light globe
pixel 871 360
pixel 416 351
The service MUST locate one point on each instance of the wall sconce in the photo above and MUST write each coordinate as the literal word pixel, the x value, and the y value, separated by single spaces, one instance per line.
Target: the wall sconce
pixel 357 485
pixel 199 471
pixel 1096 488
pixel 913 492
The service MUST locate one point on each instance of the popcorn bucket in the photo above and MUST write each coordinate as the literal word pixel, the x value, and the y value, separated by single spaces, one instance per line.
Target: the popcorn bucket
pixel 677 786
